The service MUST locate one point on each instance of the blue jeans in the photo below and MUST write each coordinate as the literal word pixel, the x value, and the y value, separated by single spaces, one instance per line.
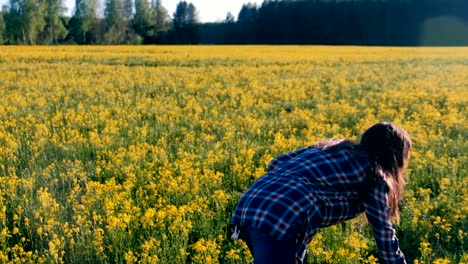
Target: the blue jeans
pixel 268 250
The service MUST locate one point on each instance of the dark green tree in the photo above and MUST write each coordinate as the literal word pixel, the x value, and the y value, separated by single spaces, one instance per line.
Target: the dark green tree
pixel 151 21
pixel 24 21
pixel 2 27
pixel 247 23
pixel 144 20
pixel 185 21
pixel 229 18
pixel 55 29
pixel 185 15
pixel 128 9
pixel 114 21
pixel 117 22
pixel 84 26
pixel 162 17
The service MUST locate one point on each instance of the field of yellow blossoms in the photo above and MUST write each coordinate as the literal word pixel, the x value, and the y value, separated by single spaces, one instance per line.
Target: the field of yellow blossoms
pixel 139 154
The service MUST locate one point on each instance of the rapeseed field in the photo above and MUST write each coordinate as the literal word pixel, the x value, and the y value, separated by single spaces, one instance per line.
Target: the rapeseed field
pixel 139 154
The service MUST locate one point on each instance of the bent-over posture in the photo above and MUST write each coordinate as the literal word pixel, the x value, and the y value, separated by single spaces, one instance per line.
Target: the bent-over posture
pixel 322 185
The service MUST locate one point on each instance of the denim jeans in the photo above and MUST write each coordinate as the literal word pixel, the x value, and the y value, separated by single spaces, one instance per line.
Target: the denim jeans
pixel 268 250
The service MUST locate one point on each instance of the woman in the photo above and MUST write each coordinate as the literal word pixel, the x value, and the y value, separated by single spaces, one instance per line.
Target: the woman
pixel 322 185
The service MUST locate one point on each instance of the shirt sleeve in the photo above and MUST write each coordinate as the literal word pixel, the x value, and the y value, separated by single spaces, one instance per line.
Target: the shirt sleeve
pixel 378 215
pixel 276 162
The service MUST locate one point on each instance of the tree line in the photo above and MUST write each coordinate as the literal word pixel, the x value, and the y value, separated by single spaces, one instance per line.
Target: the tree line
pixel 332 22
pixel 120 22
pixel 346 22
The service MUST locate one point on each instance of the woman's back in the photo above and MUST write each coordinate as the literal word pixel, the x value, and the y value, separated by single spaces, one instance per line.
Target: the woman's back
pixel 325 185
pixel 338 169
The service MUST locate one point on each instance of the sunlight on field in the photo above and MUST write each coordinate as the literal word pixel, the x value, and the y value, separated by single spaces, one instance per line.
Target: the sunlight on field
pixel 139 154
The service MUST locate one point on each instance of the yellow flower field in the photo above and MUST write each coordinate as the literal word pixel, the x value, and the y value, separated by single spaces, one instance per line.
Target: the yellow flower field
pixel 139 154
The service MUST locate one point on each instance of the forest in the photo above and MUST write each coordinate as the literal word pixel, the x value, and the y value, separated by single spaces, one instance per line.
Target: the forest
pixel 318 22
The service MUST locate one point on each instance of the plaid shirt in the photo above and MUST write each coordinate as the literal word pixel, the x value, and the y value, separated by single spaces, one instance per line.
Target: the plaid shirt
pixel 312 188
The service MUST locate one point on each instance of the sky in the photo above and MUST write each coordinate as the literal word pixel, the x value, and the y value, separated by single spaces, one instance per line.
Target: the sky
pixel 208 10
pixel 211 10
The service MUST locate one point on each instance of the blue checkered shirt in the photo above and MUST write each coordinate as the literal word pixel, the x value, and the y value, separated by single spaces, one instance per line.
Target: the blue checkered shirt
pixel 313 188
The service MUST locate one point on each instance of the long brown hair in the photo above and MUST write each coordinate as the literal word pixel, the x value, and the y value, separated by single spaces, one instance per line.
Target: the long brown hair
pixel 335 144
pixel 388 147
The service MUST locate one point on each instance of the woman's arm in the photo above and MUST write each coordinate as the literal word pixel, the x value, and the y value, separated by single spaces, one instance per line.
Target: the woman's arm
pixel 378 215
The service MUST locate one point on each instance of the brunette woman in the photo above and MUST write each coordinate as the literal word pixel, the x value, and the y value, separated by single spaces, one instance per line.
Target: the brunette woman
pixel 322 185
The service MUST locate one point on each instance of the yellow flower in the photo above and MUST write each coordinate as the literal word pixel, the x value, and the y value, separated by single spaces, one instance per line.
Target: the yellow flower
pixel 125 151
pixel 372 260
pixel 233 254
pixel 441 261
